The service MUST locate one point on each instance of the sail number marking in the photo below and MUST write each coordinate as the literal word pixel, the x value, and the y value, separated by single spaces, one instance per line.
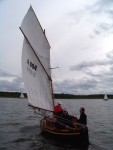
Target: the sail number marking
pixel 31 68
pixel 31 65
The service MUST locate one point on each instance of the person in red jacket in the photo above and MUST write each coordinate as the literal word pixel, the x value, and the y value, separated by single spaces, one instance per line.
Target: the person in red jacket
pixel 58 109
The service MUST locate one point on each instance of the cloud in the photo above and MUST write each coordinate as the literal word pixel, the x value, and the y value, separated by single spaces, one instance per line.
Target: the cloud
pixel 102 6
pixel 109 55
pixel 99 15
pixel 101 84
pixel 5 74
pixel 10 82
pixel 11 86
pixel 97 78
pixel 103 29
pixel 83 86
pixel 97 68
pixel 102 12
pixel 94 19
pixel 97 32
pixel 76 16
pixel 86 86
pixel 84 65
pixel 97 63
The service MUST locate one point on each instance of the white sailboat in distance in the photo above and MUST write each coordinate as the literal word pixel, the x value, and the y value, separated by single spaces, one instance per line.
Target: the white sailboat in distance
pixel 105 97
pixel 36 74
pixel 21 95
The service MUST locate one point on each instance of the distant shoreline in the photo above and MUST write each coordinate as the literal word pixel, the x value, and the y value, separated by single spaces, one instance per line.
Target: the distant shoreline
pixel 56 96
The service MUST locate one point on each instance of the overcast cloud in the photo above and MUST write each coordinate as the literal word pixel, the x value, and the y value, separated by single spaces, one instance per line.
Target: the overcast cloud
pixel 81 37
pixel 10 82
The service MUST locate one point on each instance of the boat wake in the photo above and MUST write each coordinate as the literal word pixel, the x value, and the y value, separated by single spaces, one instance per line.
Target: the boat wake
pixel 96 147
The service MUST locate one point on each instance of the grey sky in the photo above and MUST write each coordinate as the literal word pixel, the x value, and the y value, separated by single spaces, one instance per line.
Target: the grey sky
pixel 80 34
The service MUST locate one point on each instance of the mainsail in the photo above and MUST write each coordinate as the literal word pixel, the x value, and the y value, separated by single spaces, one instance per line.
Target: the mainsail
pixel 36 63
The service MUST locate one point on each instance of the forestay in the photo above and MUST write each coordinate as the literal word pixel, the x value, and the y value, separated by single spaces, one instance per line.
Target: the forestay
pixel 36 63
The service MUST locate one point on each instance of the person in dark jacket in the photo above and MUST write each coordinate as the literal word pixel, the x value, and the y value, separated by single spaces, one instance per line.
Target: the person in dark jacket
pixel 83 116
pixel 64 120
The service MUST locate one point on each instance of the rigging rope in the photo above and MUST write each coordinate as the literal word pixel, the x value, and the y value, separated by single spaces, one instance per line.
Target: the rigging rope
pixel 58 69
pixel 58 117
pixel 57 84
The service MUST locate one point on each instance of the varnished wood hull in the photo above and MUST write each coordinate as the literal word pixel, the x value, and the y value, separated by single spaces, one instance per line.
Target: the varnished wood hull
pixel 76 136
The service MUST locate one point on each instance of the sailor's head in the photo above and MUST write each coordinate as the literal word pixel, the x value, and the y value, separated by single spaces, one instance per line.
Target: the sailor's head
pixel 59 103
pixel 82 110
pixel 65 112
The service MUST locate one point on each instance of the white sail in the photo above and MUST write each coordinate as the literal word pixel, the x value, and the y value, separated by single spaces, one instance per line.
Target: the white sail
pixel 36 63
pixel 35 35
pixel 21 95
pixel 105 97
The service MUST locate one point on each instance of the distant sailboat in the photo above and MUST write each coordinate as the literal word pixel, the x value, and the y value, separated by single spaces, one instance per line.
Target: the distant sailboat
pixel 105 97
pixel 21 95
pixel 36 72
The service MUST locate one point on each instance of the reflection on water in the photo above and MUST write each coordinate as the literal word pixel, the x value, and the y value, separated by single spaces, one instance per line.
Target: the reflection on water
pixel 19 127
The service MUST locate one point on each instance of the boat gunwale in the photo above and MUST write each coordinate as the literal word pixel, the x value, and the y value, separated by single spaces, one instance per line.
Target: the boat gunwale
pixel 60 133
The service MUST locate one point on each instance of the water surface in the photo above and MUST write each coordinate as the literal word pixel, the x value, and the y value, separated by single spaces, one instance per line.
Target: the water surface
pixel 19 126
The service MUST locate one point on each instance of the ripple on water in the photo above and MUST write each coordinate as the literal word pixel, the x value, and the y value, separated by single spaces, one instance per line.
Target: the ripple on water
pixel 19 129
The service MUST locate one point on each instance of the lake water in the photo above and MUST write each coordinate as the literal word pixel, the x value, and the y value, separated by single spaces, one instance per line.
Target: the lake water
pixel 19 126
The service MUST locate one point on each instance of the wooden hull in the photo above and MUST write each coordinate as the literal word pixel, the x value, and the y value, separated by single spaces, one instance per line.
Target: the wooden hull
pixel 69 135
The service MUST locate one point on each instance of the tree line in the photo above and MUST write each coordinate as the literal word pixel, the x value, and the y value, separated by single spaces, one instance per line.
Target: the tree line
pixel 57 96
pixel 12 94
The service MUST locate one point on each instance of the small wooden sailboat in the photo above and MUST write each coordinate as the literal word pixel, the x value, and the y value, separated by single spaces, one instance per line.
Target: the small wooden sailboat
pixel 36 72
pixel 105 97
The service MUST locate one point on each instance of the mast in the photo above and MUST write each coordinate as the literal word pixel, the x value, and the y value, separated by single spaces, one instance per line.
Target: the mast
pixel 52 94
